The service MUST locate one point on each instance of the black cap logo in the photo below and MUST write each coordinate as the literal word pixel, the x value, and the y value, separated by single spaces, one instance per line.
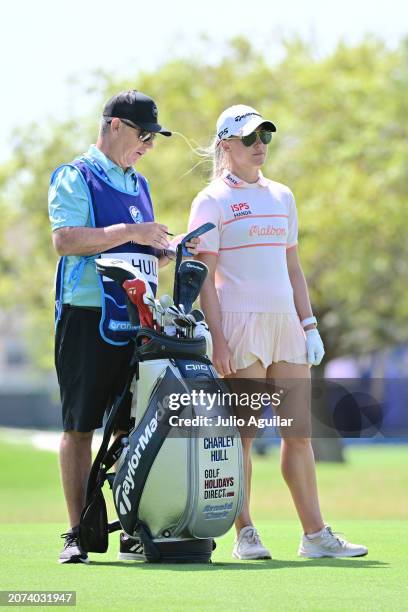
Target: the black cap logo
pixel 154 110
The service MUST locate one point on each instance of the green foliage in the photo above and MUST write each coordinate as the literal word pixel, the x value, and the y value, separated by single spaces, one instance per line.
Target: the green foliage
pixel 340 146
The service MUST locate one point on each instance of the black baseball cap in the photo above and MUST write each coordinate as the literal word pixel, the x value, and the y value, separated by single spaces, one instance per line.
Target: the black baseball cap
pixel 135 106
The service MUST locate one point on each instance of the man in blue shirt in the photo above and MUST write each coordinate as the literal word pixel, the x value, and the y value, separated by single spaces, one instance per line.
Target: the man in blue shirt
pixel 98 205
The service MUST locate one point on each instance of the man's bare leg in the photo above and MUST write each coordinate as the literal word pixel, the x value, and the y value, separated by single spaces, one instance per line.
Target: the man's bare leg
pixel 75 464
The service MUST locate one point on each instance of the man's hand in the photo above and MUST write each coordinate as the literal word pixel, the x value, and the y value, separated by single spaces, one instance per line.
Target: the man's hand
pixel 149 233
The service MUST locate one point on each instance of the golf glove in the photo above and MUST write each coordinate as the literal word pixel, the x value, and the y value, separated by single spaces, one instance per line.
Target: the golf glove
pixel 314 347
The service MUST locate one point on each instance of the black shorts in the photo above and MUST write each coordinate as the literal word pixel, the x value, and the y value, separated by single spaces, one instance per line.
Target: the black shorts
pixel 91 373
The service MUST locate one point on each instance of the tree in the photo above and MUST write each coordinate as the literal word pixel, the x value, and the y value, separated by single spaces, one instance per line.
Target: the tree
pixel 340 146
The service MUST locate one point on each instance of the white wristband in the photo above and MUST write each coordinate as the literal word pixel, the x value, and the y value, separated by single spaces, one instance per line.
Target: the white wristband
pixel 308 321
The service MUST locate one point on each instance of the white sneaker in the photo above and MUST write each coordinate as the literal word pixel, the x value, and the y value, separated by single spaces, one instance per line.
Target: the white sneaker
pixel 248 545
pixel 329 545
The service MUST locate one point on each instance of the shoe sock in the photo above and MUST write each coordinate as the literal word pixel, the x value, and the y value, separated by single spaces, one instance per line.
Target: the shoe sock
pixel 312 536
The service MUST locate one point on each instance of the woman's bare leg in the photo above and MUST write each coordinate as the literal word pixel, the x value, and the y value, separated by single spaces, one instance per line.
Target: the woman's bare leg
pixel 297 458
pixel 254 371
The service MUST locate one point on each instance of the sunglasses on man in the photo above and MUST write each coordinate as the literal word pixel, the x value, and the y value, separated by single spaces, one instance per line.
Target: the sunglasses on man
pixel 264 135
pixel 144 135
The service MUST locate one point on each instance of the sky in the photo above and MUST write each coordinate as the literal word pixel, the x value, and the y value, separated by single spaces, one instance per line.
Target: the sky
pixel 49 49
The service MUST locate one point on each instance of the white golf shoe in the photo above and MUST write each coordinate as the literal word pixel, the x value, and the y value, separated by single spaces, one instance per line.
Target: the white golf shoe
pixel 248 545
pixel 327 544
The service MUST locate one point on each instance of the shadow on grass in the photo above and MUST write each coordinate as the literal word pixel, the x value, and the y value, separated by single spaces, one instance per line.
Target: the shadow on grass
pixel 273 564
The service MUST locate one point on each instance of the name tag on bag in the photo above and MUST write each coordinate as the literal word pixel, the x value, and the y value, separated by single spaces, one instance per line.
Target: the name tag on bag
pixel 146 264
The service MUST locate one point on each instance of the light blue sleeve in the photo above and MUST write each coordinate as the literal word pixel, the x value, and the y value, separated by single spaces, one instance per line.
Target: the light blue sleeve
pixel 68 204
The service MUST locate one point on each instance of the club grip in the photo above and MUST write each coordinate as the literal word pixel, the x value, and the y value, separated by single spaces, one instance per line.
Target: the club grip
pixel 199 231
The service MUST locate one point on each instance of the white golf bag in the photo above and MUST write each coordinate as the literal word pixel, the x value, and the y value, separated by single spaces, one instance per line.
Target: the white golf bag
pixel 176 487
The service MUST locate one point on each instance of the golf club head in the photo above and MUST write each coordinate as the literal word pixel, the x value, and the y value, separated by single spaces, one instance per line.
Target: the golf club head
pixel 166 301
pixel 189 280
pixel 182 322
pixel 158 306
pixel 192 320
pixel 159 314
pixel 150 301
pixel 174 311
pixel 197 315
pixel 116 269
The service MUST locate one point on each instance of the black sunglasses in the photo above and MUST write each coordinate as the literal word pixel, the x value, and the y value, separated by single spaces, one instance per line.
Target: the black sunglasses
pixel 144 135
pixel 264 135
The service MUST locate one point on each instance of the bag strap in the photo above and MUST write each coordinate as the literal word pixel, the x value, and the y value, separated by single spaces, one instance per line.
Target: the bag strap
pixel 106 458
pixel 151 550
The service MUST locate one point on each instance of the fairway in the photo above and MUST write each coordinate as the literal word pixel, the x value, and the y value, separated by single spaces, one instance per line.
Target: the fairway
pixel 377 582
pixel 366 498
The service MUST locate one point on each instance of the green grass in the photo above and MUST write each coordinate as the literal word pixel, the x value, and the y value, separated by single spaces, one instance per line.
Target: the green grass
pixel 366 498
pixel 372 483
pixel 374 583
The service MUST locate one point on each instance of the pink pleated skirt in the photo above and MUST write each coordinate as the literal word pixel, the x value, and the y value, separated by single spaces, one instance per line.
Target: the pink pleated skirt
pixel 264 336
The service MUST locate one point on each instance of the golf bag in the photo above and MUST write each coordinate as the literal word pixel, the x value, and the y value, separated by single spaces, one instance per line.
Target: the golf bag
pixel 179 472
pixel 176 488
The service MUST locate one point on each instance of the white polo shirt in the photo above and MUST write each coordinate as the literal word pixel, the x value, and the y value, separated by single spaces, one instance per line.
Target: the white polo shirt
pixel 255 224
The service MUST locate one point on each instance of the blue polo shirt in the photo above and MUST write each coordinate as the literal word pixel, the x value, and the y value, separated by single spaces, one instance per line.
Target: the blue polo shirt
pixel 68 206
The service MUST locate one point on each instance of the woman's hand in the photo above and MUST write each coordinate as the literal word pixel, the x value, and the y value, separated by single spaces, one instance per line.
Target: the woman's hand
pixel 192 246
pixel 314 346
pixel 222 358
